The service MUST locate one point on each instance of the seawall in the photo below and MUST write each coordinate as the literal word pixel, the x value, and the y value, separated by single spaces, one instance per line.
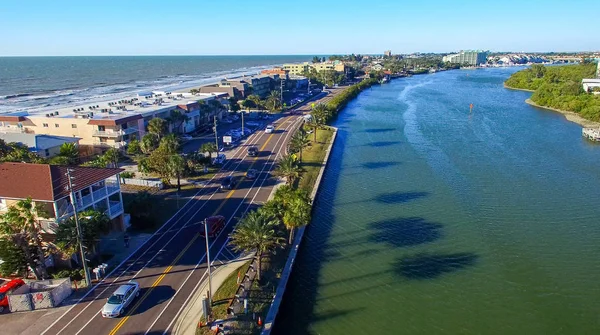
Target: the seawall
pixel 287 270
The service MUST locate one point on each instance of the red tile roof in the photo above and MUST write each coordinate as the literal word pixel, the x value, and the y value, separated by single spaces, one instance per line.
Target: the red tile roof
pixel 44 182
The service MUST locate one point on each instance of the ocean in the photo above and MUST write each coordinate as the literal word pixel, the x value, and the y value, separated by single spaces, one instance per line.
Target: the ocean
pixel 34 83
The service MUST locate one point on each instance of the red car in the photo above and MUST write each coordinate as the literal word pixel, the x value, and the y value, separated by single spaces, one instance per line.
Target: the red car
pixel 215 225
pixel 6 289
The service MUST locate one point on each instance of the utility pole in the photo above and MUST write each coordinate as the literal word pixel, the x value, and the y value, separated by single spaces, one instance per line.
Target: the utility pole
pixel 208 263
pixel 81 251
pixel 216 136
pixel 281 93
pixel 243 134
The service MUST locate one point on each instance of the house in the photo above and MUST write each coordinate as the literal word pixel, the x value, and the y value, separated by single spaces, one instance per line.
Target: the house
pixel 47 185
pixel 46 146
pixel 377 67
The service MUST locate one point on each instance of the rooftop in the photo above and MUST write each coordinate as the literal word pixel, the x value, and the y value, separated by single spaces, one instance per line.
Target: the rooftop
pixel 37 141
pixel 44 182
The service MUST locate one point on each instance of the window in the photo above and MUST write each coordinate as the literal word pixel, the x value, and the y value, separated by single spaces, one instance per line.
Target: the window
pixel 56 125
pixel 45 125
pixel 73 125
pixel 47 152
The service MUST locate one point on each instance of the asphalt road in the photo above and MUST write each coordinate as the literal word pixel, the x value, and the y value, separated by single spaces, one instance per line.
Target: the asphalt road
pixel 172 262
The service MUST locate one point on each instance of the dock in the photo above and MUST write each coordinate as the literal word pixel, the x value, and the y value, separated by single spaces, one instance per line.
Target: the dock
pixel 591 134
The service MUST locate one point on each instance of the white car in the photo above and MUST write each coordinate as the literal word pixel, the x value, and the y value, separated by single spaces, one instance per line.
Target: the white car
pixel 120 300
pixel 269 129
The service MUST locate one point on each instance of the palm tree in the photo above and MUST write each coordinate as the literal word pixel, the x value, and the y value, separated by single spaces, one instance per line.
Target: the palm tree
pixel 157 127
pixel 177 119
pixel 112 156
pixel 92 223
pixel 319 117
pixel 176 165
pixel 297 212
pixel 256 232
pixel 19 224
pixel 288 168
pixel 209 147
pixel 69 151
pixel 149 143
pixel 273 101
pixel 299 142
pixel 255 99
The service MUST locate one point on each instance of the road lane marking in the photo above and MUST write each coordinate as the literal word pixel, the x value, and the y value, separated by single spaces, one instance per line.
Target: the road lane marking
pixel 156 282
pixel 238 150
pixel 120 324
pixel 272 164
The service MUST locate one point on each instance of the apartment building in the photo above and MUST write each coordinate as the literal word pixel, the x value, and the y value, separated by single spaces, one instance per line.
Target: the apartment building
pixel 46 146
pixel 471 57
pixel 47 186
pixel 298 69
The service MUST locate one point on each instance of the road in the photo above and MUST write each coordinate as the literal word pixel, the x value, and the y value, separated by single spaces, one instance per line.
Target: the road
pixel 170 264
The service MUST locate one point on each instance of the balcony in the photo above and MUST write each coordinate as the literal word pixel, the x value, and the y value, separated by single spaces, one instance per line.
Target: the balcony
pixel 99 193
pixel 114 133
pixel 116 208
pixel 12 130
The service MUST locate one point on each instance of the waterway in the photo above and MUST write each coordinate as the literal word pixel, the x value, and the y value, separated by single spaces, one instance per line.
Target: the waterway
pixel 434 219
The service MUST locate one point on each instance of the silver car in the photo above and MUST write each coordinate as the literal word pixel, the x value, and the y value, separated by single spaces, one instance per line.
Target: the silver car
pixel 120 299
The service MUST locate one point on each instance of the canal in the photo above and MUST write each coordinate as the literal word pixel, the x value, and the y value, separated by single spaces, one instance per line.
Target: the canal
pixel 434 219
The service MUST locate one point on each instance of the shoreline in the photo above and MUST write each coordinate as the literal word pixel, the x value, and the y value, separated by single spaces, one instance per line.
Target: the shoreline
pixel 570 116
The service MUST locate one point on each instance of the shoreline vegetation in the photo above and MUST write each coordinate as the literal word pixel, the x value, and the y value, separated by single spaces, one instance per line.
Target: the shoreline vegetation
pixel 559 89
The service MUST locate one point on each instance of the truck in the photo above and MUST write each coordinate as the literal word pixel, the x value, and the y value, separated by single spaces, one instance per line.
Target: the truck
pixel 215 225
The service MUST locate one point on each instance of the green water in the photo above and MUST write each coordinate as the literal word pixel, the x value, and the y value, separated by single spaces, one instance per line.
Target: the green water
pixel 435 220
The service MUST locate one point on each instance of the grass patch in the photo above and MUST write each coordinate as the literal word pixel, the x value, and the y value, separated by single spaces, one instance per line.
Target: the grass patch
pixel 222 296
pixel 312 158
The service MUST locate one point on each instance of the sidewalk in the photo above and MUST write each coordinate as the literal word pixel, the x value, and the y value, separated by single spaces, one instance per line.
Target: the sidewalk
pixel 187 321
pixel 114 244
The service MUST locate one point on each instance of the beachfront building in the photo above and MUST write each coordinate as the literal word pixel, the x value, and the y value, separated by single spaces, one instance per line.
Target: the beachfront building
pixel 235 89
pixel 260 85
pixel 47 186
pixel 46 146
pixel 387 53
pixel 111 124
pixel 276 71
pixel 296 68
pixel 471 57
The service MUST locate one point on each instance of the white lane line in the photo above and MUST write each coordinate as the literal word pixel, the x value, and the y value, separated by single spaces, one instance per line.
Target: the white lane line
pixel 257 137
pixel 202 259
pixel 272 163
pixel 151 259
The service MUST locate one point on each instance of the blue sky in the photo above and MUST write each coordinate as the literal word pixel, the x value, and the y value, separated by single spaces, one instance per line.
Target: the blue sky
pixel 260 27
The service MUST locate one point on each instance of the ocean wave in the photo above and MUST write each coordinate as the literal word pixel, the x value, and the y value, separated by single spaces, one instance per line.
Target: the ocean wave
pixel 13 96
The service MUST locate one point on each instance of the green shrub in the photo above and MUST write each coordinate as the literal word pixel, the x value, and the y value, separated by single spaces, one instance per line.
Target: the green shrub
pixel 127 174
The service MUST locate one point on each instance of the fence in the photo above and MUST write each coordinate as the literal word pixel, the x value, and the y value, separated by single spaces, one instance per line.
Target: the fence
pixel 236 305
pixel 142 182
pixel 39 294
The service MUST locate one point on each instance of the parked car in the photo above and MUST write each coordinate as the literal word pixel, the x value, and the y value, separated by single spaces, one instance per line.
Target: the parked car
pixel 219 160
pixel 6 289
pixel 253 151
pixel 120 300
pixel 228 183
pixel 214 225
pixel 251 174
pixel 269 129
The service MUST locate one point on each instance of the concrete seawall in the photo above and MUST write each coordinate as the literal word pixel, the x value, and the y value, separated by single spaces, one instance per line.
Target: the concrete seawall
pixel 287 270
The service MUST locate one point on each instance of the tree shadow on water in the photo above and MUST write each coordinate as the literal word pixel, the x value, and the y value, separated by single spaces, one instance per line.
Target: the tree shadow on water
pixel 379 130
pixel 399 197
pixel 431 266
pixel 404 232
pixel 378 165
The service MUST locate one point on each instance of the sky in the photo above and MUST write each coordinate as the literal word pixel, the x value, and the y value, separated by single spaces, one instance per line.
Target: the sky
pixel 288 27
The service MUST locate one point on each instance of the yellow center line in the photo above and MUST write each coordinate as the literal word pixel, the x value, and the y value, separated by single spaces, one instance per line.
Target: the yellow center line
pixel 168 269
pixel 156 282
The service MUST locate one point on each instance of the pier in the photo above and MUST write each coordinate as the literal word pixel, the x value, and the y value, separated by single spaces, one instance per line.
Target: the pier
pixel 591 133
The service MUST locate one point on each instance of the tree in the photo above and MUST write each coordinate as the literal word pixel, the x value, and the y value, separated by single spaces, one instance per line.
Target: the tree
pixel 92 223
pixel 99 162
pixel 256 233
pixel 273 101
pixel 233 104
pixel 19 225
pixel 299 142
pixel 209 147
pixel 161 159
pixel 320 115
pixel 141 208
pixel 247 103
pixel 149 143
pixel 215 105
pixel 297 212
pixel 134 147
pixel 177 167
pixel 70 151
pixel 111 157
pixel 194 91
pixel 177 119
pixel 60 160
pixel 316 59
pixel 256 100
pixel 17 152
pixel 157 127
pixel 288 168
pixel 13 258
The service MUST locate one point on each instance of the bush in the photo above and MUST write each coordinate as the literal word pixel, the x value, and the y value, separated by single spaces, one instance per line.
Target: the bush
pixel 74 274
pixel 127 174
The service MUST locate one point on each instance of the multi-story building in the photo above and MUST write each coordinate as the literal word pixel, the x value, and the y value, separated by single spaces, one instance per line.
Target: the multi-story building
pixel 47 186
pixel 471 57
pixel 296 68
pixel 46 146
pixel 276 71
pixel 387 53
pixel 111 123
pixel 232 88
pixel 260 85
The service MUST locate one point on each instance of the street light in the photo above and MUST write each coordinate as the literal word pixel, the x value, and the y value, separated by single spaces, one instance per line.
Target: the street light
pixel 208 262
